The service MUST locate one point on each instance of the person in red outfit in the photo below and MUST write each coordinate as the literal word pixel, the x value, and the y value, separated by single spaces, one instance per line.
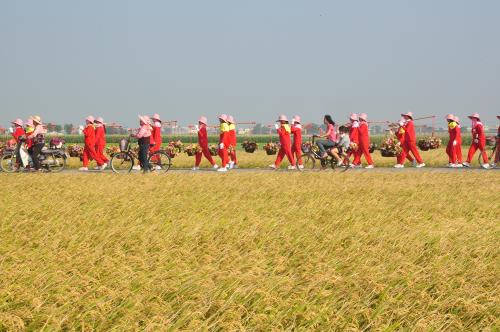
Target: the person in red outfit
pixel 224 142
pixel 100 139
pixel 497 151
pixel 203 143
pixel 16 133
pixel 284 132
pixel 364 143
pixel 89 151
pixel 400 135
pixel 458 147
pixel 353 134
pixel 411 140
pixel 451 150
pixel 478 142
pixel 233 163
pixel 297 141
pixel 156 139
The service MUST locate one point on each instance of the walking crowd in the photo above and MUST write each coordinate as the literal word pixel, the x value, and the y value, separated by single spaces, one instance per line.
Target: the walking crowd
pixel 350 140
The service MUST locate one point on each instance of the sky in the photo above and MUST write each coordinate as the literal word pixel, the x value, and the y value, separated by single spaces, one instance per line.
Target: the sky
pixel 64 60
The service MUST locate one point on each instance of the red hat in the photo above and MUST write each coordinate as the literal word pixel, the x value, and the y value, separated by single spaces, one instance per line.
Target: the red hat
pixel 409 114
pixel 475 115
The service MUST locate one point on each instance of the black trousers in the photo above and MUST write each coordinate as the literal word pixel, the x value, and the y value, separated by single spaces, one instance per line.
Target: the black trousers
pixel 143 153
pixel 36 153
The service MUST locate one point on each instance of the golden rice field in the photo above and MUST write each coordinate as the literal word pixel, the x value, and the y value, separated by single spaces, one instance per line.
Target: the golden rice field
pixel 413 250
pixel 259 159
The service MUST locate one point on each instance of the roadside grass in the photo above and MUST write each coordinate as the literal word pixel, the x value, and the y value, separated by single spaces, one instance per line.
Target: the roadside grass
pixel 250 251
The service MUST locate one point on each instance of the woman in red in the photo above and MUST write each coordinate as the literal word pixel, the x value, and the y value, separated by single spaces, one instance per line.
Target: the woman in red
pixel 400 135
pixel 497 152
pixel 458 147
pixel 17 132
pixel 353 133
pixel 297 141
pixel 233 140
pixel 451 151
pixel 364 143
pixel 89 151
pixel 284 132
pixel 100 139
pixel 203 143
pixel 156 138
pixel 410 144
pixel 478 141
pixel 224 142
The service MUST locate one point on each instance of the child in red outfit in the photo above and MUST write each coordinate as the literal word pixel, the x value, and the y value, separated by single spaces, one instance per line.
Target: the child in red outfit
pixel 203 143
pixel 478 141
pixel 224 142
pixel 410 143
pixel 233 141
pixel 451 150
pixel 458 147
pixel 284 132
pixel 364 143
pixel 17 132
pixel 89 151
pixel 297 141
pixel 353 134
pixel 100 138
pixel 156 139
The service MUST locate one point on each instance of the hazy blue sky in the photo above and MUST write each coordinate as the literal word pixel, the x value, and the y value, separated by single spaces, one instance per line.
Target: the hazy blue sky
pixel 254 59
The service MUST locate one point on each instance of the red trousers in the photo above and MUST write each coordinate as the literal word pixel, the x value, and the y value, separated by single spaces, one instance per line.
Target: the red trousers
pixel 451 151
pixel 411 147
pixel 152 150
pixel 204 152
pixel 224 156
pixel 297 153
pixel 401 161
pixel 232 155
pixel 90 153
pixel 363 149
pixel 472 150
pixel 99 149
pixel 458 151
pixel 281 154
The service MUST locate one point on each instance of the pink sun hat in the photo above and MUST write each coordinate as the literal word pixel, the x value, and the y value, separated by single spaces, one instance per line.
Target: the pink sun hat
pixel 296 119
pixel 456 118
pixel 203 120
pixel 223 117
pixel 363 116
pixel 450 117
pixel 230 119
pixel 409 114
pixel 282 117
pixel 29 122
pixel 90 119
pixel 100 120
pixel 354 117
pixel 475 115
pixel 18 122
pixel 156 117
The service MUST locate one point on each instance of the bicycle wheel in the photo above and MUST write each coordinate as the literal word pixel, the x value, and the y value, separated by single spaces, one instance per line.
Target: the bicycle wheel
pixel 160 161
pixel 309 161
pixel 8 162
pixel 55 162
pixel 122 162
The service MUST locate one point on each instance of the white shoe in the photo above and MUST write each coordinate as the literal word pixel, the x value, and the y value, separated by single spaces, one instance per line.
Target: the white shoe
pixel 272 166
pixel 356 166
pixel 215 166
pixel 399 166
pixel 222 169
pixel 485 166
pixel 450 165
pixel 301 166
pixel 195 168
pixel 465 164
pixel 83 169
pixel 459 165
pixel 291 168
pixel 230 165
pixel 420 165
pixel 137 168
pixel 103 166
pixel 97 168
pixel 369 167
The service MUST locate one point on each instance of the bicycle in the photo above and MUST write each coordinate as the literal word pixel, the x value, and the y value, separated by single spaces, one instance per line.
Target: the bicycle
pixel 491 157
pixel 124 161
pixel 312 154
pixel 52 159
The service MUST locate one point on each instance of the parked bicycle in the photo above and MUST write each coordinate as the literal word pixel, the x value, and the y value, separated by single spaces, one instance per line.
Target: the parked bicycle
pixel 311 155
pixel 124 161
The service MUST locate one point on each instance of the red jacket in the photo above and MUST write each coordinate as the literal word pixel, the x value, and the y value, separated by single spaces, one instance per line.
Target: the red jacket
pixel 354 133
pixel 89 136
pixel 478 133
pixel 297 136
pixel 224 136
pixel 100 136
pixel 18 133
pixel 156 138
pixel 284 136
pixel 410 136
pixel 364 136
pixel 203 137
pixel 458 134
pixel 400 134
pixel 232 137
pixel 453 133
